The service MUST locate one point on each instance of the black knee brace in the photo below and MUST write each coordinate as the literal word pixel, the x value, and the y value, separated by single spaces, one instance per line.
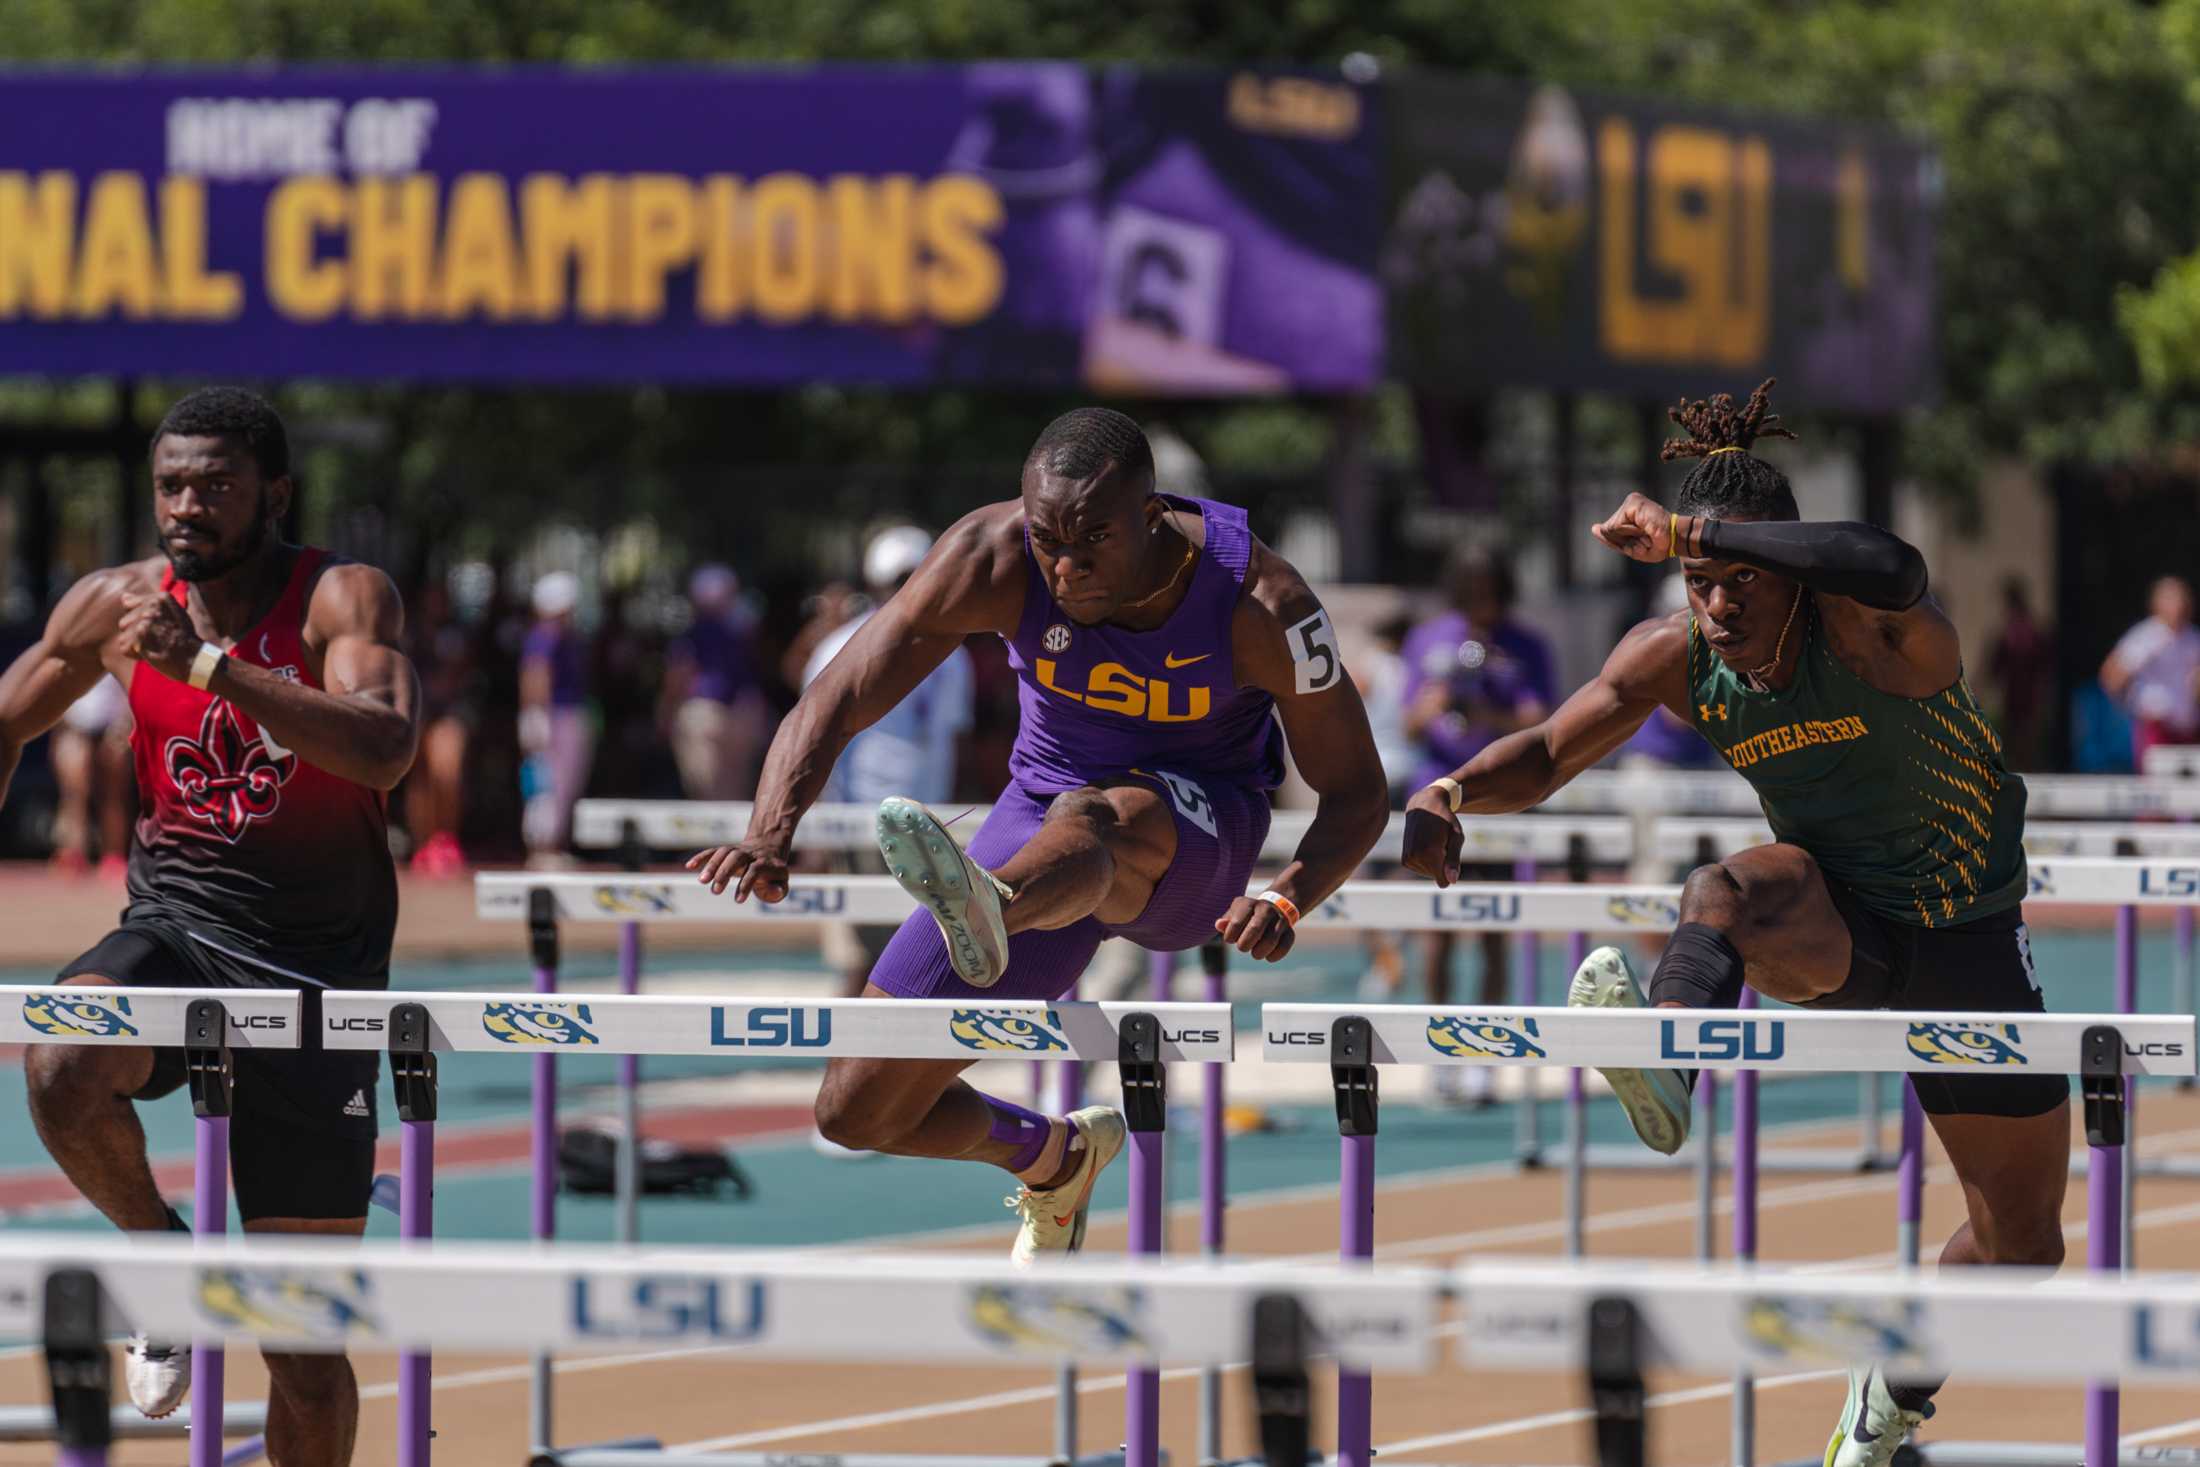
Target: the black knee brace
pixel 1700 969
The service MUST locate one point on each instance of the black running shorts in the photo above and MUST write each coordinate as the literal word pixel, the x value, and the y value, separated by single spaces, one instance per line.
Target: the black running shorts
pixel 302 1125
pixel 1974 967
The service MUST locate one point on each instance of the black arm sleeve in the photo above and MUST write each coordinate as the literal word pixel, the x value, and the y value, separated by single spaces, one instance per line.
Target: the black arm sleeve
pixel 1841 558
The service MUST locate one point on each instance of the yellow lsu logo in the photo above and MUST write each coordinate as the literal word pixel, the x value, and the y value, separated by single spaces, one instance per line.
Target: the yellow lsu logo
pixel 1826 1330
pixel 1005 1029
pixel 299 1306
pixel 1988 1044
pixel 1051 1319
pixel 1113 688
pixel 538 1023
pixel 78 1018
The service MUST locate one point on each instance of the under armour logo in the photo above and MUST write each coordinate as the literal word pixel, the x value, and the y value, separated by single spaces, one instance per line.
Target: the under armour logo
pixel 225 781
pixel 1710 712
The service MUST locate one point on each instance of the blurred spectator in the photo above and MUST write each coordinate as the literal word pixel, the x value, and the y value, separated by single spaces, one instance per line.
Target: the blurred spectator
pixel 1380 675
pixel 2021 663
pixel 91 764
pixel 2154 671
pixel 555 735
pixel 627 681
pixel 714 709
pixel 1473 675
pixel 435 791
pixel 1664 741
pixel 910 751
pixel 824 612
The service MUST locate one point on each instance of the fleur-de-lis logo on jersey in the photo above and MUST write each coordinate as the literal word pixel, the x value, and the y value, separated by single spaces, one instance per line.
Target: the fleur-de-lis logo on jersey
pixel 225 779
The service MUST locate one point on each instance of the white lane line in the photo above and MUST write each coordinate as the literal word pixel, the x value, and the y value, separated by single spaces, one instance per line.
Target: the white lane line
pixel 1576 1415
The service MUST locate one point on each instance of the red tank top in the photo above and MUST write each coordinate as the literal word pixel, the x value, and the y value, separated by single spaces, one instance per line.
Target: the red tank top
pixel 239 841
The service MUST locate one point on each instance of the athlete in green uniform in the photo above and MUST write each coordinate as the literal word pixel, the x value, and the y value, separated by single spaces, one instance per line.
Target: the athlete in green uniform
pixel 1813 660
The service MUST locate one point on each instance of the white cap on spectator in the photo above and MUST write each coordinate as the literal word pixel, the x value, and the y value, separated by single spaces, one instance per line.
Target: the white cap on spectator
pixel 893 554
pixel 557 593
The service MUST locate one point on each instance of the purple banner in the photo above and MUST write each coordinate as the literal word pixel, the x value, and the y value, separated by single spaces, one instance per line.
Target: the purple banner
pixel 1020 223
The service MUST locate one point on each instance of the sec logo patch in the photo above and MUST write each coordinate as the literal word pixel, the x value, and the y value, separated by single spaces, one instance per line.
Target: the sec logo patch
pixel 1056 639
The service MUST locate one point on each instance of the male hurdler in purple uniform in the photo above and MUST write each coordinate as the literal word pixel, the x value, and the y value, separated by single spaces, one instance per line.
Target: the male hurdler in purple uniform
pixel 1153 638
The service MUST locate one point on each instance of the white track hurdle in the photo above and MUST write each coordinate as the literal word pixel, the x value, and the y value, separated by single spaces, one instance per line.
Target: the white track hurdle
pixel 1607 1321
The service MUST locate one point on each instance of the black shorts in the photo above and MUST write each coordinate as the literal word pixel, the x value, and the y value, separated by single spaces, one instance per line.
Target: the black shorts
pixel 302 1125
pixel 1977 967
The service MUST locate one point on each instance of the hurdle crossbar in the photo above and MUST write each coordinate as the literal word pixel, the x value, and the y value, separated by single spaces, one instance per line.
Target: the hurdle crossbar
pixel 1683 838
pixel 1604 840
pixel 885 1028
pixel 259 1018
pixel 1726 1039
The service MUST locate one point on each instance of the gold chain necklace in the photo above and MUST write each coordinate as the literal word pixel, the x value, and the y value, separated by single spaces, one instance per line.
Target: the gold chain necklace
pixel 1191 553
pixel 1757 674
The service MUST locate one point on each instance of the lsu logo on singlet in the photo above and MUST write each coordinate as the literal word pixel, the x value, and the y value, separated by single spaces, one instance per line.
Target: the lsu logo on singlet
pixel 79 1018
pixel 299 1306
pixel 1006 1029
pixel 1050 1317
pixel 1484 1039
pixel 538 1023
pixel 1113 688
pixel 1985 1044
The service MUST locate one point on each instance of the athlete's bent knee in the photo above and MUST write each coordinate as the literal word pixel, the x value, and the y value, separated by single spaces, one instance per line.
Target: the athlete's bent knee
pixel 68 1076
pixel 2031 1244
pixel 857 1117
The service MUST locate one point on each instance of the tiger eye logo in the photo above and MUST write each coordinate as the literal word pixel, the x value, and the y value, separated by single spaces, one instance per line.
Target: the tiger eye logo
pixel 1056 640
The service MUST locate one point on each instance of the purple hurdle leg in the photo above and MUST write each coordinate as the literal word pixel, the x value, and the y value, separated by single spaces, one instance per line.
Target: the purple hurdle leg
pixel 1577 1131
pixel 627 1227
pixel 1069 1096
pixel 1356 1240
pixel 2103 1248
pixel 2182 976
pixel 1745 1237
pixel 2127 1002
pixel 415 1220
pixel 1910 1180
pixel 1149 1184
pixel 209 1219
pixel 543 1192
pixel 82 1457
pixel 1213 1139
pixel 1527 990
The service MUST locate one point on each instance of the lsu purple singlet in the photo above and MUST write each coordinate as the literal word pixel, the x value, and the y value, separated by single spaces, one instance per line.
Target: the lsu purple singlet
pixel 1107 703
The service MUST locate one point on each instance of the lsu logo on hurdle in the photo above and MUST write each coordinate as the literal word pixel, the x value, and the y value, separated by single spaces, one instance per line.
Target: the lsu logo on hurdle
pixel 1007 1030
pixel 1053 1318
pixel 1643 911
pixel 1472 1038
pixel 1967 1044
pixel 70 1017
pixel 288 1303
pixel 1827 1331
pixel 634 901
pixel 538 1023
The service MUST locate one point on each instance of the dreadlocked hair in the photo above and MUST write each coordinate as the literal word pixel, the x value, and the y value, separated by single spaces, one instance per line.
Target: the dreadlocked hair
pixel 1731 483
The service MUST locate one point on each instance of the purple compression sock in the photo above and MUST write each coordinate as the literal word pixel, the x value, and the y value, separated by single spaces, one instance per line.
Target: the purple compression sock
pixel 1025 1130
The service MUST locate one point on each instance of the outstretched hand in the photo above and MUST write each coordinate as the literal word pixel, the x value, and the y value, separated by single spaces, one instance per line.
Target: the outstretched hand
pixel 1642 529
pixel 759 866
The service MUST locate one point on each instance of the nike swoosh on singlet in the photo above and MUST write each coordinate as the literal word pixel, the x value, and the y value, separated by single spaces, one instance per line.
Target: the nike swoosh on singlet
pixel 1172 660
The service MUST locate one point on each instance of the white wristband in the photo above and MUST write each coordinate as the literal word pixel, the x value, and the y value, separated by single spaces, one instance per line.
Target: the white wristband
pixel 204 666
pixel 1454 795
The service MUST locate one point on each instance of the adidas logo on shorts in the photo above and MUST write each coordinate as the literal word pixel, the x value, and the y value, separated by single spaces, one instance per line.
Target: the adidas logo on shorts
pixel 357 1105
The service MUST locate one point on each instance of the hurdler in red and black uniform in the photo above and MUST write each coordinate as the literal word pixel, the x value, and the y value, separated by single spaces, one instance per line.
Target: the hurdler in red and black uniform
pixel 274 712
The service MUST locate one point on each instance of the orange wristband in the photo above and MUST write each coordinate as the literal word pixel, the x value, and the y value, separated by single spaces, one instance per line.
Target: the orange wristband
pixel 1281 903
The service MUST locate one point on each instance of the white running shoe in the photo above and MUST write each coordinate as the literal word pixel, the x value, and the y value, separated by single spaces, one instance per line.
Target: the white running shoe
pixel 1656 1101
pixel 1873 1428
pixel 963 897
pixel 1054 1220
pixel 159 1375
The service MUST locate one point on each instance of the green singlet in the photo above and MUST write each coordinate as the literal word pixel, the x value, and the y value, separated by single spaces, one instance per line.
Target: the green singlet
pixel 1904 801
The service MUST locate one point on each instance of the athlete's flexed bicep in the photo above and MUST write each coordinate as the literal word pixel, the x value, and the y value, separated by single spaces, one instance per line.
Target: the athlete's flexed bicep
pixel 1649 668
